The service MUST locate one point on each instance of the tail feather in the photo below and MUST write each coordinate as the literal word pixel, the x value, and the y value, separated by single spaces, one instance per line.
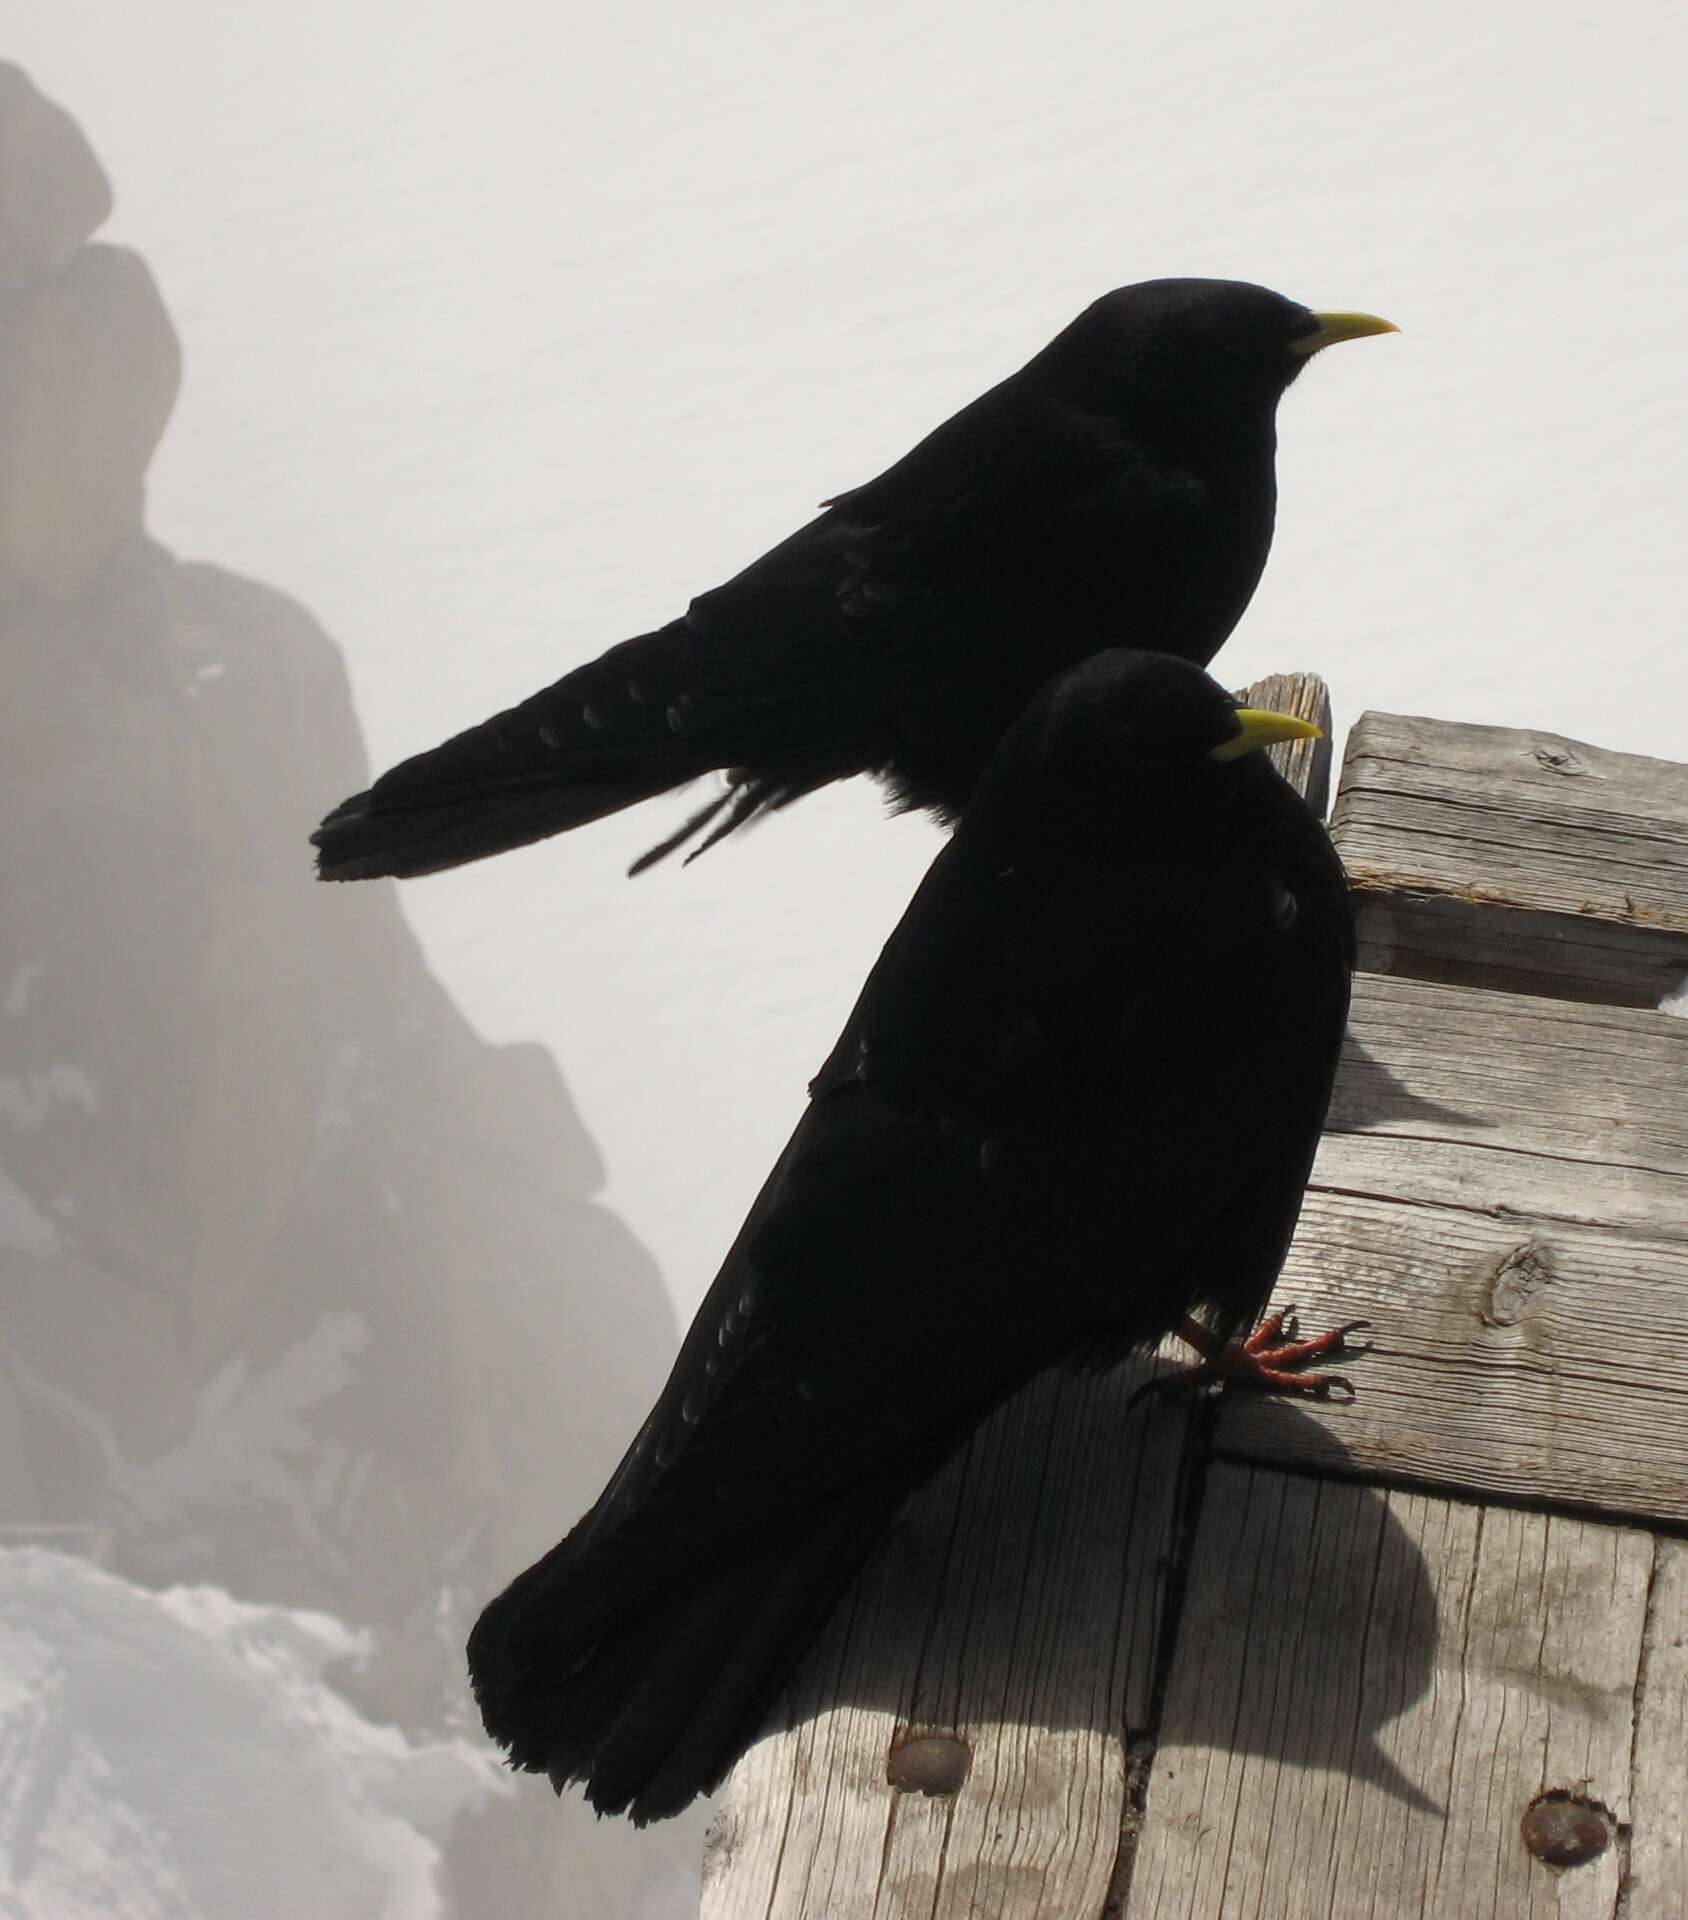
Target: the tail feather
pixel 649 715
pixel 603 737
pixel 749 796
pixel 689 829
pixel 374 836
pixel 656 1710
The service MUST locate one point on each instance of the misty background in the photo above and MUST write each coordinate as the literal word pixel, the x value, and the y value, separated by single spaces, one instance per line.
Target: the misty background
pixel 346 1233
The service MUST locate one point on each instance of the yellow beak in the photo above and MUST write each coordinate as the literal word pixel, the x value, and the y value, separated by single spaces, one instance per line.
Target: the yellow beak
pixel 1333 327
pixel 1258 727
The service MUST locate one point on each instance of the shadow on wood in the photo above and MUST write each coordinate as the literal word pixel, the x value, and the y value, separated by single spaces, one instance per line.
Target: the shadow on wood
pixel 1016 1620
pixel 1373 1096
pixel 1315 1624
pixel 1313 1614
pixel 1501 1191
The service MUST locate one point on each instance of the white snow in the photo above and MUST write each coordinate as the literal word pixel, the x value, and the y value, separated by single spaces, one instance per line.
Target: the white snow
pixel 335 1116
pixel 21 985
pixel 185 1756
pixel 250 1440
pixel 27 1098
pixel 22 1224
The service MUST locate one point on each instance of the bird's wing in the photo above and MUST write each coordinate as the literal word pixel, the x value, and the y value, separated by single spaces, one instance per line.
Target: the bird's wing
pixel 915 606
pixel 960 516
pixel 856 1332
pixel 920 611
pixel 882 1294
pixel 1004 478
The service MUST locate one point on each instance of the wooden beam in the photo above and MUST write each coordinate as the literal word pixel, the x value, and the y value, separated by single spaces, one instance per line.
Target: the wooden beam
pixel 1523 861
pixel 1369 1691
pixel 1305 764
pixel 1502 1190
pixel 1010 1625
pixel 1658 1866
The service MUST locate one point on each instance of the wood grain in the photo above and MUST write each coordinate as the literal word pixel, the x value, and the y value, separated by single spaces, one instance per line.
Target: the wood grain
pixel 1370 1688
pixel 1517 860
pixel 1016 1609
pixel 1658 1868
pixel 1305 764
pixel 1502 1192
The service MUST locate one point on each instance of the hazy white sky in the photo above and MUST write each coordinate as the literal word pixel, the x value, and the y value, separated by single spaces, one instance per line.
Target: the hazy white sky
pixel 510 325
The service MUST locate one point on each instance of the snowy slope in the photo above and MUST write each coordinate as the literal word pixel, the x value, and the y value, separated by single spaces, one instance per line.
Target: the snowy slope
pixel 184 1756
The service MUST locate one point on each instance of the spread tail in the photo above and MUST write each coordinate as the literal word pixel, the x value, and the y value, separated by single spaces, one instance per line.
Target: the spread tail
pixel 650 1702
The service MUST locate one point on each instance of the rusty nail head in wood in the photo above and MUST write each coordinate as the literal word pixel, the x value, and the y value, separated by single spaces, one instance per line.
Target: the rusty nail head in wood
pixel 1564 1830
pixel 932 1763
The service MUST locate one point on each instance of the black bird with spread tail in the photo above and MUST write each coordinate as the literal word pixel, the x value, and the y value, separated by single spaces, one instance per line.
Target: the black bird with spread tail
pixel 1077 1100
pixel 1117 490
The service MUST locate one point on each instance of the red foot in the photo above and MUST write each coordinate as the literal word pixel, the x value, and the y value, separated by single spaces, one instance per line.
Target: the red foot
pixel 1264 1361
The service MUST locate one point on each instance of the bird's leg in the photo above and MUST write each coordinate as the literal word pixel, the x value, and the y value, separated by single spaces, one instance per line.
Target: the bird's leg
pixel 1272 1356
pixel 1270 1359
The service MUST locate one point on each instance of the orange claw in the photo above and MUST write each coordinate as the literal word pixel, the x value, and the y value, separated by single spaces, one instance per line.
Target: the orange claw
pixel 1265 1360
pixel 1269 1360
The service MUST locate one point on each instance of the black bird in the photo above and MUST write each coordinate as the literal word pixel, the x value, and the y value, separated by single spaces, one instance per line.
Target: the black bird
pixel 1078 1098
pixel 1117 490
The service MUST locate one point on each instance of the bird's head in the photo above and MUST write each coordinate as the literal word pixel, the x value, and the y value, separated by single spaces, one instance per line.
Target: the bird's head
pixel 1128 730
pixel 1215 349
pixel 1154 707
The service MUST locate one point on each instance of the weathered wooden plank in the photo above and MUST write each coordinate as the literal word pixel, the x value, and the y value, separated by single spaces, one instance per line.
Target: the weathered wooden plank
pixel 1305 764
pixel 1016 1611
pixel 1515 860
pixel 1503 1193
pixel 1603 1088
pixel 1534 1364
pixel 1368 1691
pixel 1658 1866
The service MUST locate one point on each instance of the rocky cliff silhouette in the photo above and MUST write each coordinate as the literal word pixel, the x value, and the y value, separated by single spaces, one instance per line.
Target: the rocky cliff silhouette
pixel 306 1289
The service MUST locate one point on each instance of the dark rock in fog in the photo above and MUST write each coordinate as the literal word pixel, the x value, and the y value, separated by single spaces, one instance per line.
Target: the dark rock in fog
pixel 88 375
pixel 383 1319
pixel 307 1290
pixel 53 191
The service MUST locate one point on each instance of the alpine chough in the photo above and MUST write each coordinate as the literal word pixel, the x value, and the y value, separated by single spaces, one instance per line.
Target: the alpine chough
pixel 1117 490
pixel 1077 1100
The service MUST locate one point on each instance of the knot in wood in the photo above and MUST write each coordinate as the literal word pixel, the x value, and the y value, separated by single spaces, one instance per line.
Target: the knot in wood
pixel 931 1763
pixel 1509 1282
pixel 1559 759
pixel 1565 1829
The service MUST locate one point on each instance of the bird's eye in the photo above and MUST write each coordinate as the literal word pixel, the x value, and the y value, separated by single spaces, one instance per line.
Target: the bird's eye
pixel 1284 909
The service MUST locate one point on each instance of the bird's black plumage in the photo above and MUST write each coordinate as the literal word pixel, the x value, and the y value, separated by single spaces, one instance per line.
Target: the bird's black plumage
pixel 1078 1096
pixel 1117 490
